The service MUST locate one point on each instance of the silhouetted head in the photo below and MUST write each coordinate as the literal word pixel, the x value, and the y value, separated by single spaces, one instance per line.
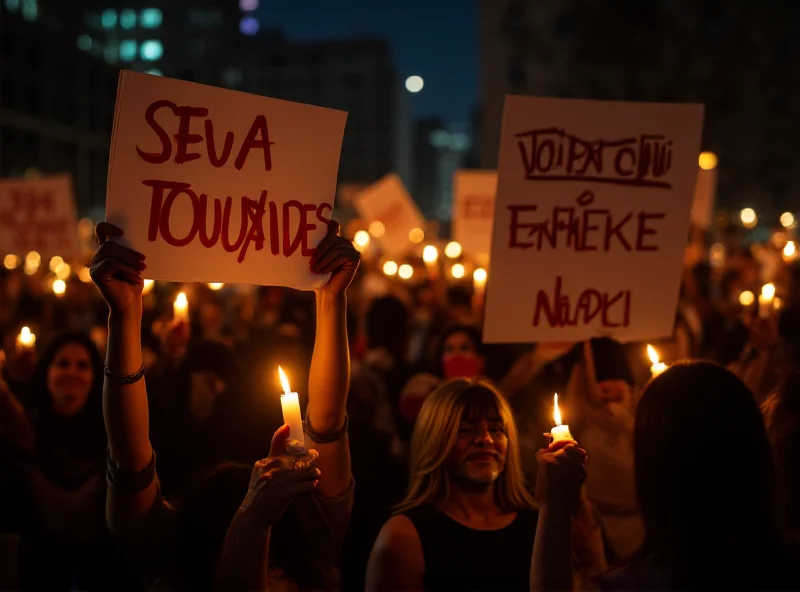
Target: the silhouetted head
pixel 460 353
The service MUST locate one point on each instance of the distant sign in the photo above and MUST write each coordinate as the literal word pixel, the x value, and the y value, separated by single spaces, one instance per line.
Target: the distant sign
pixel 473 210
pixel 388 202
pixel 217 185
pixel 591 219
pixel 39 215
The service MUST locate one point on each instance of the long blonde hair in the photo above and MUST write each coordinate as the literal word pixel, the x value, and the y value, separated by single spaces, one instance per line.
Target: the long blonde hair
pixel 435 434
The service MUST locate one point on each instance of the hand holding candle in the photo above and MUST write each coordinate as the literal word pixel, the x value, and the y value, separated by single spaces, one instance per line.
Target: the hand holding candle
pixel 290 405
pixel 559 432
pixel 657 366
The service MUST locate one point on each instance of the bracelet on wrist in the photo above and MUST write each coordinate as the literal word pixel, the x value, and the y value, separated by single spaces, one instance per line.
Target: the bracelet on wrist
pixel 127 379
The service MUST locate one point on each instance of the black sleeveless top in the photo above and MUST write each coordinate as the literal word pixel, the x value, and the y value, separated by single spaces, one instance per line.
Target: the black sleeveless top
pixel 461 558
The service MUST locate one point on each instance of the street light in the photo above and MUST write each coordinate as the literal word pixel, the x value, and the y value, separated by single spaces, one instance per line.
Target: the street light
pixel 414 84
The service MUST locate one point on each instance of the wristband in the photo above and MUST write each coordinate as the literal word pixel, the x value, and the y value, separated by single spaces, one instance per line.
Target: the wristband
pixel 129 379
pixel 318 438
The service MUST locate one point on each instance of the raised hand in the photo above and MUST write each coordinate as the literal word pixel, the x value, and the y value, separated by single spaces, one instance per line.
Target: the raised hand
pixel 117 271
pixel 337 256
pixel 560 473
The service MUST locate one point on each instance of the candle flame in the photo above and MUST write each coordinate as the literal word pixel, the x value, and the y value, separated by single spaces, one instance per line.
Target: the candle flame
pixel 652 354
pixel 284 381
pixel 556 412
pixel 768 291
pixel 181 299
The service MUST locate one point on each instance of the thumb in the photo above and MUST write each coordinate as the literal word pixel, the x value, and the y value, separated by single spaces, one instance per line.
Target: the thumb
pixel 279 438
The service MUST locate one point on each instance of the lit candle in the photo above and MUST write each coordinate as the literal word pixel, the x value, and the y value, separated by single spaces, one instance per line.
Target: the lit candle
pixel 26 340
pixel 148 286
pixel 559 432
pixel 657 365
pixel 290 405
pixel 180 308
pixel 59 288
pixel 430 255
pixel 479 280
pixel 765 300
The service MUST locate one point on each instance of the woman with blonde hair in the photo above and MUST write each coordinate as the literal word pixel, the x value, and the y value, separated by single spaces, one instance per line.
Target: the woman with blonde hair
pixel 467 521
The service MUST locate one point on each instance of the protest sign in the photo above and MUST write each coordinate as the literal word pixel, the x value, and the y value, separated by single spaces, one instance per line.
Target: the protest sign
pixel 39 215
pixel 388 202
pixel 473 211
pixel 704 194
pixel 217 185
pixel 591 219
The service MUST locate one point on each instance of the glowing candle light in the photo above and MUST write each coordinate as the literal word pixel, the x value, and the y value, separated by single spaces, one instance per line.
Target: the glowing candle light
pixel 180 308
pixel 361 240
pixel 59 287
pixel 765 300
pixel 430 254
pixel 657 366
pixel 789 251
pixel 11 261
pixel 56 262
pixel 216 286
pixel 290 405
pixel 377 229
pixel 559 432
pixel 85 275
pixel 390 268
pixel 746 298
pixel 405 271
pixel 458 271
pixel 26 340
pixel 452 250
pixel 148 286
pixel 479 277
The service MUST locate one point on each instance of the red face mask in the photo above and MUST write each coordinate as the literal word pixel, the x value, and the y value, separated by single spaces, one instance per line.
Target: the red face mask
pixel 461 366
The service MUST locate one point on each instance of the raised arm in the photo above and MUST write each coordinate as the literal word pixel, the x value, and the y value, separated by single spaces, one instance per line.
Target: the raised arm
pixel 329 379
pixel 117 272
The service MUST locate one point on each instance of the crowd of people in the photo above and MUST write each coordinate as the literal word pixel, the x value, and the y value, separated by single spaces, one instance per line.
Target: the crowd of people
pixel 141 451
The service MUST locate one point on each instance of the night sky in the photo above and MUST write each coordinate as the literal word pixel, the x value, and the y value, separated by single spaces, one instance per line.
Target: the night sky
pixel 436 39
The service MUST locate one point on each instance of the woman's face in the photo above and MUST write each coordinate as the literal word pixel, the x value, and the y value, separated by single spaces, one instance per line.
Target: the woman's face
pixel 460 357
pixel 458 344
pixel 69 379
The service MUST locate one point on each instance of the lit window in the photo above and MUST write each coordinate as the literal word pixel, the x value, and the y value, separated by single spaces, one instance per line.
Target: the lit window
pixel 12 5
pixel 249 26
pixel 127 50
pixel 84 43
pixel 127 19
pixel 248 5
pixel 151 50
pixel 30 9
pixel 154 72
pixel 108 19
pixel 151 18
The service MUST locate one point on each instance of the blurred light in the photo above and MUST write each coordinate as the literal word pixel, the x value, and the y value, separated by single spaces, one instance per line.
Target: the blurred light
pixel 30 9
pixel 707 161
pixel 127 50
pixel 361 240
pixel 11 261
pixel 248 5
pixel 377 229
pixel 452 250
pixel 405 271
pixel 414 84
pixel 154 72
pixel 789 251
pixel 84 42
pixel 430 254
pixel 55 262
pixel 748 217
pixel 63 271
pixel 85 274
pixel 33 258
pixel 151 18
pixel 108 18
pixel 746 298
pixel 480 275
pixel 716 255
pixel 459 142
pixel 151 50
pixel 416 235
pixel 439 139
pixel 216 286
pixel 12 5
pixel 127 18
pixel 776 303
pixel 787 219
pixel 148 286
pixel 390 268
pixel 249 26
pixel 768 291
pixel 59 287
pixel 779 239
pixel 458 271
pixel 85 228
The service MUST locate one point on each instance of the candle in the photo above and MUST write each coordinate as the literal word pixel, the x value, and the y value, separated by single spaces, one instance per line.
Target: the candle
pixel 559 432
pixel 290 405
pixel 765 300
pixel 657 365
pixel 479 280
pixel 26 340
pixel 430 255
pixel 148 286
pixel 180 308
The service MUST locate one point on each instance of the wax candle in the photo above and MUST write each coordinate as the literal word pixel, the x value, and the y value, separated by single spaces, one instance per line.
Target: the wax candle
pixel 765 300
pixel 290 405
pixel 430 255
pixel 657 366
pixel 180 308
pixel 26 340
pixel 559 432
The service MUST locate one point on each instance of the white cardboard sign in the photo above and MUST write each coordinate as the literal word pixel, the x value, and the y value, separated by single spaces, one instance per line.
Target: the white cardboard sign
pixel 473 211
pixel 218 185
pixel 39 215
pixel 591 219
pixel 388 202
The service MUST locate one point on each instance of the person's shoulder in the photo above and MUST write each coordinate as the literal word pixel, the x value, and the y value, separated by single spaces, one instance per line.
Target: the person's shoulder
pixel 399 536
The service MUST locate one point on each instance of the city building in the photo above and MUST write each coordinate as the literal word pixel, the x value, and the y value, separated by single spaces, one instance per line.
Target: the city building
pixel 735 57
pixel 56 104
